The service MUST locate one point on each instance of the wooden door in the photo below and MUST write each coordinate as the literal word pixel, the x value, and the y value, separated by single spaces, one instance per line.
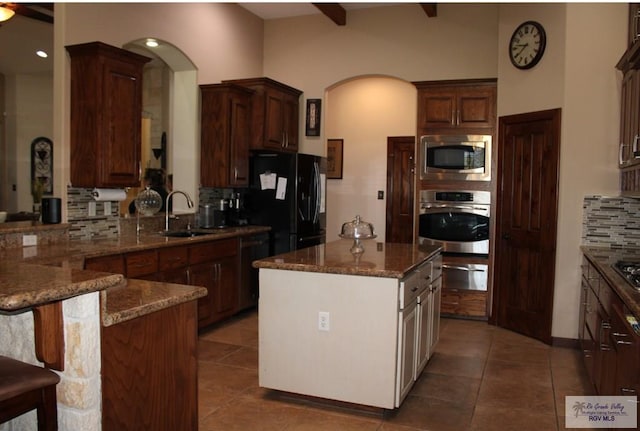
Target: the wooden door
pixel 400 189
pixel 528 156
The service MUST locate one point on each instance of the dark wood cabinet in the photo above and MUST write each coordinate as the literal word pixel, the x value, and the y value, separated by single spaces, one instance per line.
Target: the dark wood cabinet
pixel 274 114
pixel 150 371
pixel 466 107
pixel 214 265
pixel 224 136
pixel 106 115
pixel 610 347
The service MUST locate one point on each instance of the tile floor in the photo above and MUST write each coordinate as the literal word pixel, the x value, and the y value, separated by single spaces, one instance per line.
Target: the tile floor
pixel 480 378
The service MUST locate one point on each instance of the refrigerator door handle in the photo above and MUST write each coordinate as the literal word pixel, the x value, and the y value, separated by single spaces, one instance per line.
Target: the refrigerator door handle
pixel 316 172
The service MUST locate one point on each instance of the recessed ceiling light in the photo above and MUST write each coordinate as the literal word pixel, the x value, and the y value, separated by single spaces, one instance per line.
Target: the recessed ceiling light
pixel 41 53
pixel 151 43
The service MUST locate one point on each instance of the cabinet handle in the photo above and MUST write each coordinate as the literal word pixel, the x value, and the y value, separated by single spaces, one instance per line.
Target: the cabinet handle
pixel 615 336
pixel 628 391
pixel 622 145
pixel 414 289
pixel 458 117
pixel 188 271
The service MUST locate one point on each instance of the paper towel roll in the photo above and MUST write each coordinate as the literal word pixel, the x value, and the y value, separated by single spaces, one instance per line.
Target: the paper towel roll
pixel 109 194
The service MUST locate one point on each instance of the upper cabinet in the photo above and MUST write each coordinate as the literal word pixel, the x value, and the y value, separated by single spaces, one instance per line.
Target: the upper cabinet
pixel 224 136
pixel 467 106
pixel 106 115
pixel 274 118
pixel 629 149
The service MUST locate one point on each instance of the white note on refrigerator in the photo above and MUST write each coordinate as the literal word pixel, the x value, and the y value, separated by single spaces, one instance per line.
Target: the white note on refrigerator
pixel 281 190
pixel 268 181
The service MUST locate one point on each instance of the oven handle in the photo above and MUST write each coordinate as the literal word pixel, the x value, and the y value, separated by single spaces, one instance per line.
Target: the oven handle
pixel 457 207
pixel 461 268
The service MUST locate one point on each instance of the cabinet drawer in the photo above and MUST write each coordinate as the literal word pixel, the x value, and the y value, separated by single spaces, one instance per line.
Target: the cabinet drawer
pixel 113 264
pixel 464 303
pixel 209 251
pixel 141 263
pixel 172 258
pixel 410 287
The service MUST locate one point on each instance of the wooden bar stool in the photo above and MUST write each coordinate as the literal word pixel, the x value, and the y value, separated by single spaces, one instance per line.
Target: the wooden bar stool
pixel 24 387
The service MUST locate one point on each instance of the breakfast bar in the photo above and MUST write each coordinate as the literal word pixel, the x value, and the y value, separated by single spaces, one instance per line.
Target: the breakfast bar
pixel 356 328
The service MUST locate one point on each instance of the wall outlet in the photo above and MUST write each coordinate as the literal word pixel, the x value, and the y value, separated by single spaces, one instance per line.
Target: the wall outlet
pixel 92 209
pixel 323 321
pixel 28 240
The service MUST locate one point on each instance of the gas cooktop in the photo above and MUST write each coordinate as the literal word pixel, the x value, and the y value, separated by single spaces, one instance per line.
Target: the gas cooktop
pixel 630 271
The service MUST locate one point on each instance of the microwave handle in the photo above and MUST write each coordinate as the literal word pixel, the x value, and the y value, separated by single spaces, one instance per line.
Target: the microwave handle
pixel 457 207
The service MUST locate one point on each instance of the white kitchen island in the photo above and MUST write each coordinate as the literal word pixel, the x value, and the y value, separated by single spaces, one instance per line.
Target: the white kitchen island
pixel 346 329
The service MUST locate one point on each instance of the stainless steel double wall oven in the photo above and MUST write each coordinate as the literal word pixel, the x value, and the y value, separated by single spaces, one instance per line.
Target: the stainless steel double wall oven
pixel 459 221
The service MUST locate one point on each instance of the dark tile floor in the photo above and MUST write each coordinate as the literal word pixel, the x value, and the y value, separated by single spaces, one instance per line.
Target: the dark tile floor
pixel 481 378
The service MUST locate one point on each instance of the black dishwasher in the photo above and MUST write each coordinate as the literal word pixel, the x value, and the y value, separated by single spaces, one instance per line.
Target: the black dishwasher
pixel 252 247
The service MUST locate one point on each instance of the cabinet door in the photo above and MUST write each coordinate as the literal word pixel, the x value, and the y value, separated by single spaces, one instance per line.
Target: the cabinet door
pixel 406 352
pixel 476 107
pixel 629 122
pixel 122 111
pixel 436 295
pixel 290 125
pixel 437 108
pixel 274 120
pixel 424 311
pixel 239 142
pixel 204 275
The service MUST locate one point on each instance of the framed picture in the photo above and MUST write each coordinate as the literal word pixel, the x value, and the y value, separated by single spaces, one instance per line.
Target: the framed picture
pixel 334 158
pixel 313 117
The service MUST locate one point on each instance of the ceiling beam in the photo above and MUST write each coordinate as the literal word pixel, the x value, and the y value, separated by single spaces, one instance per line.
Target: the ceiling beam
pixel 30 10
pixel 431 9
pixel 334 11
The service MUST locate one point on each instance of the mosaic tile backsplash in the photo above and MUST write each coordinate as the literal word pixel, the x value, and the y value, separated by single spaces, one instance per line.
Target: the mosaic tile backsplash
pixel 611 221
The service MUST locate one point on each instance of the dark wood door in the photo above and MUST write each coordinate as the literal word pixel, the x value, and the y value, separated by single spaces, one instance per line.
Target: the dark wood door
pixel 400 189
pixel 528 156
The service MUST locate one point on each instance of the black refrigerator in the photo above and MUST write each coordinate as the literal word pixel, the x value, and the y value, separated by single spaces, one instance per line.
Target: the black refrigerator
pixel 288 193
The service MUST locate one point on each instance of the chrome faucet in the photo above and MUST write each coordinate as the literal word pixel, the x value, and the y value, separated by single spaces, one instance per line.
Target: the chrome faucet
pixel 166 207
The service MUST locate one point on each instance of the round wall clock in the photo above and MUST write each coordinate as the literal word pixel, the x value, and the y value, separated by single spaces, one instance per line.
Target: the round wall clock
pixel 527 45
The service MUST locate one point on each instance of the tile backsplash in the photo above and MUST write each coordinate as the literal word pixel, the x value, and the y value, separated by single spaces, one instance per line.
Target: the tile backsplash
pixel 611 221
pixel 84 226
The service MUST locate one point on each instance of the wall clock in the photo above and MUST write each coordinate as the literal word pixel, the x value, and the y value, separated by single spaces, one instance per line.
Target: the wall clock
pixel 527 45
pixel 42 163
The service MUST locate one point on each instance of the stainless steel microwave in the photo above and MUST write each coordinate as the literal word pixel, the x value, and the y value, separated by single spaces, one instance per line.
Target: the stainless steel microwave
pixel 455 157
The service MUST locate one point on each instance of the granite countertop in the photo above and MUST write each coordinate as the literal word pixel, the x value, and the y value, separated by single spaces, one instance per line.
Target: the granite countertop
pixel 32 276
pixel 134 298
pixel 73 252
pixel 25 285
pixel 389 260
pixel 603 258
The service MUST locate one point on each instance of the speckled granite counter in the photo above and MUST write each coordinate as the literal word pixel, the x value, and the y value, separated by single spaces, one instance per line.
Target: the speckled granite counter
pixel 387 260
pixel 35 275
pixel 27 285
pixel 603 258
pixel 133 298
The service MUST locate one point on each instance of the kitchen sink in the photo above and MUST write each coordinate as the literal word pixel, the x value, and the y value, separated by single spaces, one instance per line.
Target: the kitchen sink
pixel 187 233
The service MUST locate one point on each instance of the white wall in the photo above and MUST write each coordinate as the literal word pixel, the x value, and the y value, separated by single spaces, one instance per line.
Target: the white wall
pixel 577 74
pixel 28 115
pixel 364 112
pixel 223 40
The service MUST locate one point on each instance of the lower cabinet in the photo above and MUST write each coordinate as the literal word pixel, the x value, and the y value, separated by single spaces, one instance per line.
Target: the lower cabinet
pixel 419 323
pixel 610 346
pixel 150 372
pixel 213 265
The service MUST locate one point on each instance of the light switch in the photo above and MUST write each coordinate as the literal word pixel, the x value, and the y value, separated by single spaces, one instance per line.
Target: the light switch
pixel 380 194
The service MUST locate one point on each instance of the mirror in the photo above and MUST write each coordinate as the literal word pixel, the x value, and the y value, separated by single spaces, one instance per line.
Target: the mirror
pixel 170 116
pixel 26 96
